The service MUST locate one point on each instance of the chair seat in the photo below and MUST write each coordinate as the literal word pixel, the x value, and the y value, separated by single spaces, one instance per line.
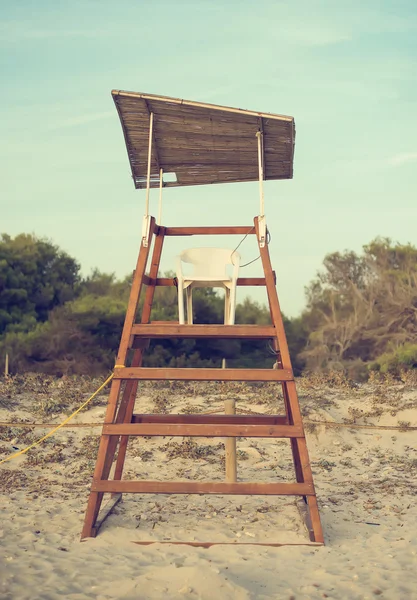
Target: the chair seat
pixel 204 281
pixel 210 268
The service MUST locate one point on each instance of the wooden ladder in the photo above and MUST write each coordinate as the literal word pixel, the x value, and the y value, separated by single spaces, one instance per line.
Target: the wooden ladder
pixel 120 422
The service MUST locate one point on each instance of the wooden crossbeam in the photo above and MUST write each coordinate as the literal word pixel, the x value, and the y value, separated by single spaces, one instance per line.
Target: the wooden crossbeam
pixel 178 374
pixel 179 231
pixel 234 543
pixel 200 487
pixel 212 419
pixel 255 332
pixel 241 281
pixel 203 430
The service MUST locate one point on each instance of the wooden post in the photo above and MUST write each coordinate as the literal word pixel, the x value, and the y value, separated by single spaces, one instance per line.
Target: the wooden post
pixel 230 445
pixel 6 366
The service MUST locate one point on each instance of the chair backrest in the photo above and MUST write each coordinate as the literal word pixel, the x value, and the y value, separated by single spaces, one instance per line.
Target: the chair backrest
pixel 211 262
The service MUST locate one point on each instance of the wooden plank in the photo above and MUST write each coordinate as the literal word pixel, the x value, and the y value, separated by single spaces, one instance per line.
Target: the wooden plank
pixel 134 297
pixel 194 182
pixel 298 446
pixel 108 445
pixel 207 430
pixel 140 183
pixel 316 530
pixel 210 544
pixel 212 419
pixel 200 487
pixel 230 445
pixel 241 281
pixel 255 332
pixel 132 385
pixel 178 374
pixel 175 231
pixel 139 343
pixel 274 306
pixel 153 98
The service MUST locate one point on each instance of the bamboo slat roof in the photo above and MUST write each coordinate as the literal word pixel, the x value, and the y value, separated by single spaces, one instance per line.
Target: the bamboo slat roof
pixel 202 143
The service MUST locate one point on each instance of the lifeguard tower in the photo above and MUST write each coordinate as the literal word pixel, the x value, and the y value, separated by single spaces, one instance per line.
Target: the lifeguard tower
pixel 199 144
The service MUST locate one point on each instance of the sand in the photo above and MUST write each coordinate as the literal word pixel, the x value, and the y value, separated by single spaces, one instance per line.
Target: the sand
pixel 365 480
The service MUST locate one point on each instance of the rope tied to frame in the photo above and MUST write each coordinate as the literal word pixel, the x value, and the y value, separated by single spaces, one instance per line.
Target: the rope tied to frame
pixel 242 240
pixel 50 433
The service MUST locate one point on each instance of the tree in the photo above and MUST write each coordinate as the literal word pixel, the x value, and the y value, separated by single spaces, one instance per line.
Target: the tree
pixel 35 277
pixel 361 306
pixel 53 321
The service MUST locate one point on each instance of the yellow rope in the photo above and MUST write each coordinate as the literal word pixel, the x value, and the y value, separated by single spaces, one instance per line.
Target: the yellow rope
pixel 60 425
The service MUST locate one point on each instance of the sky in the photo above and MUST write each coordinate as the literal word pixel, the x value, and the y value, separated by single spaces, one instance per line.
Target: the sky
pixel 347 72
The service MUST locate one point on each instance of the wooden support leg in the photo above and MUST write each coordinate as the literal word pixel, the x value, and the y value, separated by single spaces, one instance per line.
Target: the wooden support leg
pixel 108 444
pixel 138 355
pixel 294 445
pixel 131 391
pixel 316 533
pixel 95 499
pixel 298 445
pixel 105 457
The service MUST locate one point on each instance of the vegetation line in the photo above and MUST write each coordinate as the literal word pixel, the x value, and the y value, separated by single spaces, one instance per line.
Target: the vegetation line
pixel 360 316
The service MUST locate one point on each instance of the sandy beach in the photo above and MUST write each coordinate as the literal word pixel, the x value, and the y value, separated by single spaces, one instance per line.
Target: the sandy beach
pixel 365 479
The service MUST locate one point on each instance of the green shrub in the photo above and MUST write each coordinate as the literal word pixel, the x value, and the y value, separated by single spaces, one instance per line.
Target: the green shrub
pixel 402 358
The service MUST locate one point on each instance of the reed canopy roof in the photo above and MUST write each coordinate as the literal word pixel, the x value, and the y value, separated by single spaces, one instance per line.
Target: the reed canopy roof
pixel 197 144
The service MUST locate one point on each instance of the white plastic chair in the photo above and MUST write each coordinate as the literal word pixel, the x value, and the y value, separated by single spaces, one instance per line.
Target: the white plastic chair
pixel 209 268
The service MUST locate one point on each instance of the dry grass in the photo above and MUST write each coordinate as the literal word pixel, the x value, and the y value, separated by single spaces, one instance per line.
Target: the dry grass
pixel 71 458
pixel 88 448
pixel 190 449
pixel 13 480
pixel 49 395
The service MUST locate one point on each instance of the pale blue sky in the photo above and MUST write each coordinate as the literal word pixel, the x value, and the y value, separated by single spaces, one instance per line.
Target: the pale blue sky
pixel 347 72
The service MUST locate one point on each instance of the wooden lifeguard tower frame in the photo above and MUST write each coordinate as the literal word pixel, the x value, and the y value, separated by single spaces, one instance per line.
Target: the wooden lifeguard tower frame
pixel 201 144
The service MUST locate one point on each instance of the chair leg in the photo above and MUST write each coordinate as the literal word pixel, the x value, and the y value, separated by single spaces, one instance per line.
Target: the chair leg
pixel 232 309
pixel 227 306
pixel 189 294
pixel 181 317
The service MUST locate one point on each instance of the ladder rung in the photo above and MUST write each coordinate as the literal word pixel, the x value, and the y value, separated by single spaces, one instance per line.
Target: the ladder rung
pixel 165 330
pixel 207 430
pixel 199 487
pixel 153 373
pixel 212 419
